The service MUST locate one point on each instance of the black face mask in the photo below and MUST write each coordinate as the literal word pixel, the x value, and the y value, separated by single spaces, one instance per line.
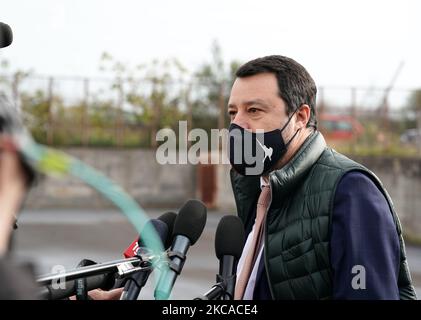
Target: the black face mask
pixel 256 153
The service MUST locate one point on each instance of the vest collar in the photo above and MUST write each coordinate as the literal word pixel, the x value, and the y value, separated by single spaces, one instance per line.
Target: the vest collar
pixel 285 180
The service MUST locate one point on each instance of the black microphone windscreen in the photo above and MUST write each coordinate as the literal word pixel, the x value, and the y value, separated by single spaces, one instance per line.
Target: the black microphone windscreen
pixel 191 220
pixel 229 237
pixel 85 263
pixel 6 35
pixel 161 229
pixel 169 219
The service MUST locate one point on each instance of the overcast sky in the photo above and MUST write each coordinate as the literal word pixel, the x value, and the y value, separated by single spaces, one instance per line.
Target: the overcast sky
pixel 357 42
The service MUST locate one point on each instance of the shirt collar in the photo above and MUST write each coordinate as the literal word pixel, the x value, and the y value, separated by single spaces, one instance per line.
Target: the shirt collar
pixel 264 182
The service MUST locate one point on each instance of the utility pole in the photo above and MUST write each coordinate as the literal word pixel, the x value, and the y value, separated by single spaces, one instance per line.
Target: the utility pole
pixel 385 100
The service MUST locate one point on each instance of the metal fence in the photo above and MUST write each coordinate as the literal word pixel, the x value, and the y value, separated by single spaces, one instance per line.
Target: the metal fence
pixel 129 112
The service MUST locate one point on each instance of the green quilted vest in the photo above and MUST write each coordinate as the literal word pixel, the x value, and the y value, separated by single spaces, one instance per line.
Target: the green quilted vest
pixel 297 227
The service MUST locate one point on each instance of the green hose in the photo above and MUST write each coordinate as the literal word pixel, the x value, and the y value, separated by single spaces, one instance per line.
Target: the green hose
pixel 54 162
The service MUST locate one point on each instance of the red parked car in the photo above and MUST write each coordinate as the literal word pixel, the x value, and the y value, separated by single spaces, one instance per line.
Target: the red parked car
pixel 340 127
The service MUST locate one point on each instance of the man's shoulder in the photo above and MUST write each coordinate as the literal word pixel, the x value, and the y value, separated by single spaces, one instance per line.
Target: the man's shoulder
pixel 336 160
pixel 348 169
pixel 358 193
pixel 358 181
pixel 334 169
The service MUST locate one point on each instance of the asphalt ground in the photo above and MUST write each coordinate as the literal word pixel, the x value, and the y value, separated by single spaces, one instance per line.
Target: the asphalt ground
pixel 64 237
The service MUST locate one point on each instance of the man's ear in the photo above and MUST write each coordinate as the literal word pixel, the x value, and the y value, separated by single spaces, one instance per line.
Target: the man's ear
pixel 303 116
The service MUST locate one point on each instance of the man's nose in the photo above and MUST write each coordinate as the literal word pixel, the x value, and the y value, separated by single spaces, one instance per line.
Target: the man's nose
pixel 241 120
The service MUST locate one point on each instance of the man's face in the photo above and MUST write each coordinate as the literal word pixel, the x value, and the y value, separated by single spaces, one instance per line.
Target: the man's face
pixel 255 104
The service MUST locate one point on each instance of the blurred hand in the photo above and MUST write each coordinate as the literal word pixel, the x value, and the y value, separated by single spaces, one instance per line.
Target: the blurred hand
pixel 99 294
pixel 12 189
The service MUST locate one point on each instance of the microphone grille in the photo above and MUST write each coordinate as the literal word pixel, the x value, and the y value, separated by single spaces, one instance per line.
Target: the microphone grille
pixel 191 220
pixel 229 237
pixel 169 219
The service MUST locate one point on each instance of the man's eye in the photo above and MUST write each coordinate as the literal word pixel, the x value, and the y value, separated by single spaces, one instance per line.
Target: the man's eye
pixel 253 110
pixel 232 113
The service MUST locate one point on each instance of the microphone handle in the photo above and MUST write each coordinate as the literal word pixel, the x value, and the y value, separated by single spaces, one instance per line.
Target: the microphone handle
pixel 97 269
pixel 134 284
pixel 227 275
pixel 215 293
pixel 225 281
pixel 69 288
pixel 177 256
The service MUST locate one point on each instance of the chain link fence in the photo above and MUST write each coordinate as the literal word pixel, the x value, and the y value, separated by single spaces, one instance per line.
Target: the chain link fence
pixel 75 111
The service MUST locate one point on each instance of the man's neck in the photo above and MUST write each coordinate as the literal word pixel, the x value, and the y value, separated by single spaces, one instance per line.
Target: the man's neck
pixel 294 146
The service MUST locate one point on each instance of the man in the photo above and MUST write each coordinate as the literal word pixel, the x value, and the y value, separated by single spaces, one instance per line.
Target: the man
pixel 16 280
pixel 320 226
pixel 15 178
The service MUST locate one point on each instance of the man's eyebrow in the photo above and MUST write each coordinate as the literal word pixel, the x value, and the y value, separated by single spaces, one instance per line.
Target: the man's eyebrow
pixel 248 103
pixel 259 102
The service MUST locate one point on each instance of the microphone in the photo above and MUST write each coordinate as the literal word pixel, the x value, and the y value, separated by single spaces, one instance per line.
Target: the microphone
pixel 120 268
pixel 84 280
pixel 137 281
pixel 6 35
pixel 82 283
pixel 188 227
pixel 168 218
pixel 79 286
pixel 229 244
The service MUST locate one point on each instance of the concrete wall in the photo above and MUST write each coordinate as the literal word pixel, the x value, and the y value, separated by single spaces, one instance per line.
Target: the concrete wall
pixel 225 197
pixel 155 185
pixel 137 171
pixel 402 180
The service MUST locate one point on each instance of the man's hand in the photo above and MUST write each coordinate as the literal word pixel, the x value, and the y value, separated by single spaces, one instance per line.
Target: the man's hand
pixel 99 294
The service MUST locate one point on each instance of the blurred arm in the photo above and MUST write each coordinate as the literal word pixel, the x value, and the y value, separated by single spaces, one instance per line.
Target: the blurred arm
pixel 12 190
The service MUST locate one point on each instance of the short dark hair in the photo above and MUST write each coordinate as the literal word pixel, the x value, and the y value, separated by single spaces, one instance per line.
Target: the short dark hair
pixel 295 85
